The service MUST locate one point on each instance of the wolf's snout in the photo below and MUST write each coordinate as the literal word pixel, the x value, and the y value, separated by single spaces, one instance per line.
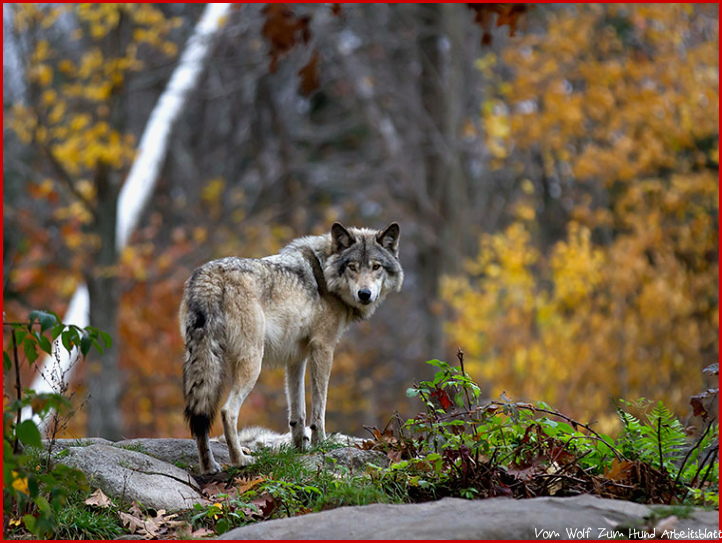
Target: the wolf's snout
pixel 364 295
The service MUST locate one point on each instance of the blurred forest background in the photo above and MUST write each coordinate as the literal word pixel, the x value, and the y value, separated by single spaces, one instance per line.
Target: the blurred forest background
pixel 554 170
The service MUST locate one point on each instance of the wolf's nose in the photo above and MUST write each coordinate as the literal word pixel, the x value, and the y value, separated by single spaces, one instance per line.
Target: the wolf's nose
pixel 364 295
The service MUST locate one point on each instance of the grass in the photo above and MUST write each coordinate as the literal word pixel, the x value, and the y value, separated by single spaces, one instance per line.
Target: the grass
pixel 337 486
pixel 286 484
pixel 79 521
pixel 137 447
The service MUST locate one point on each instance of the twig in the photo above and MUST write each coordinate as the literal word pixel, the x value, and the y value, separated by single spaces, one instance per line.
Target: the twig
pixel 18 388
pixel 460 356
pixel 689 452
pixel 706 473
pixel 560 476
pixel 709 454
pixel 659 444
pixel 619 455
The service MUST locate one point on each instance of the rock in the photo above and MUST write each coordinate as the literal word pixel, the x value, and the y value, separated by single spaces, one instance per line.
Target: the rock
pixel 180 452
pixel 580 517
pixel 350 458
pixel 131 476
pixel 63 443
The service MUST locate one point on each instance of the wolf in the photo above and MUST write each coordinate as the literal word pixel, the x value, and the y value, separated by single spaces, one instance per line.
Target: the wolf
pixel 285 310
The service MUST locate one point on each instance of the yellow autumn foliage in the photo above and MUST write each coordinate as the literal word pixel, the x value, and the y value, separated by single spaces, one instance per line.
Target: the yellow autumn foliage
pixel 70 120
pixel 620 103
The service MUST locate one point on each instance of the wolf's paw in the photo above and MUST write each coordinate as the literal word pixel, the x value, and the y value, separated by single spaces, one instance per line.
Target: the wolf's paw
pixel 244 460
pixel 213 467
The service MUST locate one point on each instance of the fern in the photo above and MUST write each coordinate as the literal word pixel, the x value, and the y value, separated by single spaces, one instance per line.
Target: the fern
pixel 664 434
pixel 631 440
pixel 659 439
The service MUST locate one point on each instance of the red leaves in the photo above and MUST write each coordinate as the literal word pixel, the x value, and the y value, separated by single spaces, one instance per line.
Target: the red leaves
pixel 309 75
pixel 283 30
pixel 442 397
pixel 506 14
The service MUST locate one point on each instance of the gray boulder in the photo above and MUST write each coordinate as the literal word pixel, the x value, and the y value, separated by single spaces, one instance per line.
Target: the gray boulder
pixel 348 458
pixel 131 476
pixel 63 443
pixel 580 517
pixel 180 452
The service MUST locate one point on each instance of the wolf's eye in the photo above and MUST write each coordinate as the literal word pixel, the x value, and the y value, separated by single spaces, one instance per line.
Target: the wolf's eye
pixel 353 267
pixel 375 267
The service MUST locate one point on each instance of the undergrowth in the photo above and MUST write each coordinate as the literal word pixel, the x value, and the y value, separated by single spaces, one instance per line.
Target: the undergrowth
pixel 461 446
pixel 285 483
pixel 458 446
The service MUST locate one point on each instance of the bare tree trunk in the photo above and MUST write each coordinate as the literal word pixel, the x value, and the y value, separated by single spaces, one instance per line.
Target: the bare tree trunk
pixel 104 377
pixel 441 94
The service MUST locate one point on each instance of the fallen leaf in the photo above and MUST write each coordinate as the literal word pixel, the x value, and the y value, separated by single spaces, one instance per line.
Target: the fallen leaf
pixel 620 470
pixel 134 524
pixel 244 484
pixel 394 456
pixel 98 499
pixel 215 488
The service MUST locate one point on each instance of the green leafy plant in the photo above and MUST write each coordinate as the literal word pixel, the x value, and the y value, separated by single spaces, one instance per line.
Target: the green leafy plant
pixel 34 492
pixel 461 446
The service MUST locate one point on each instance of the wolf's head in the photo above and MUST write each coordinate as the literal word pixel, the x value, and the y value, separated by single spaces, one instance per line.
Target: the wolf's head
pixel 363 266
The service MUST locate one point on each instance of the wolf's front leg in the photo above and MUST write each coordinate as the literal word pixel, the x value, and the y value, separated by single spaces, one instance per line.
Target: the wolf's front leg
pixel 296 395
pixel 321 362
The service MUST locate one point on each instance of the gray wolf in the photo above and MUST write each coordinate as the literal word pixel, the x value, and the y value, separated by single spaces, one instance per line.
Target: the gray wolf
pixel 285 310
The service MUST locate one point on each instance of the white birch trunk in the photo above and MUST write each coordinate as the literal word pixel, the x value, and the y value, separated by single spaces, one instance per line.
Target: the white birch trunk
pixel 140 183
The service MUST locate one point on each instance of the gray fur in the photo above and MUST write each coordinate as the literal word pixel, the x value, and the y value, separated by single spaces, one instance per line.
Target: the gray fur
pixel 287 310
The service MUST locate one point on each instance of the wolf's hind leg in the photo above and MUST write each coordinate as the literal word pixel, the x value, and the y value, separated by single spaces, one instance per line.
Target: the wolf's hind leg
pixel 245 374
pixel 205 454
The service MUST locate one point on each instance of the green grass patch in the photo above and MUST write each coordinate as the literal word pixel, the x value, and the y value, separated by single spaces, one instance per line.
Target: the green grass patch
pixel 79 521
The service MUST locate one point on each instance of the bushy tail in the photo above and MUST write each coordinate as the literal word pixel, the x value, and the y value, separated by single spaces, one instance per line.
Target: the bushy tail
pixel 204 367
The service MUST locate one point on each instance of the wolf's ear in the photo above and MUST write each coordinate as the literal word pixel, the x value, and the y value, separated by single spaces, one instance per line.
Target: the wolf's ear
pixel 341 238
pixel 389 238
